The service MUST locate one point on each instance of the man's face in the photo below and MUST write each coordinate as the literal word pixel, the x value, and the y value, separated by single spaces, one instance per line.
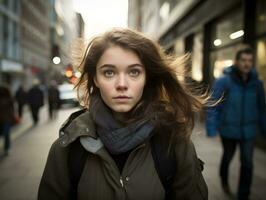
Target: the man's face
pixel 245 63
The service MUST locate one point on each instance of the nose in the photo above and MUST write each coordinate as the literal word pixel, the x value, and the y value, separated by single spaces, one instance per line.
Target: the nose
pixel 121 83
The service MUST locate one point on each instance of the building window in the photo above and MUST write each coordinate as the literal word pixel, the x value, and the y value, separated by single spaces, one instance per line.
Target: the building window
pixel 15 41
pixel 179 50
pixel 261 61
pixel 5 35
pixel 4 2
pixel 179 47
pixel 197 57
pixel 261 17
pixel 228 30
pixel 1 34
pixel 15 6
pixel 227 35
pixel 223 58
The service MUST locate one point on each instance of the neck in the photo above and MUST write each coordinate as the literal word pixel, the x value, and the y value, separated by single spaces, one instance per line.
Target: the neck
pixel 244 76
pixel 120 117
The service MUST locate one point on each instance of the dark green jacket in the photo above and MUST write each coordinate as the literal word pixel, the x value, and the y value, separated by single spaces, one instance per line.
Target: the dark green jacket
pixel 101 179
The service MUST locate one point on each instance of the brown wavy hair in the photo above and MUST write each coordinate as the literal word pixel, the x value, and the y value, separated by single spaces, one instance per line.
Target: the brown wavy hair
pixel 168 101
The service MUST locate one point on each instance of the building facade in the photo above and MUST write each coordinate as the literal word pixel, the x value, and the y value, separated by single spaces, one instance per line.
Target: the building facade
pixel 63 32
pixel 34 39
pixel 32 33
pixel 80 25
pixel 11 66
pixel 212 31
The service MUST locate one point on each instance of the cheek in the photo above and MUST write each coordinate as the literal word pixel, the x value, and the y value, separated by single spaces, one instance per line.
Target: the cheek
pixel 105 88
pixel 138 88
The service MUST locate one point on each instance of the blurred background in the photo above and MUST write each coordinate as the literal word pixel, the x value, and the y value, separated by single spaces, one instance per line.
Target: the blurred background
pixel 36 42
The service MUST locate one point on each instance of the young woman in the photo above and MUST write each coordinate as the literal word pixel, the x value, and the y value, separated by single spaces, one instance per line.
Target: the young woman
pixel 135 132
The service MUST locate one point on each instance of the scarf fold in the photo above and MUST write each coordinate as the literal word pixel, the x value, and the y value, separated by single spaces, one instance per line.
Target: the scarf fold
pixel 116 137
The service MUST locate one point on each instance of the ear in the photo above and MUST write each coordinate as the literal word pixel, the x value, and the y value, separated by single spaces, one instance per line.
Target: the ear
pixel 95 81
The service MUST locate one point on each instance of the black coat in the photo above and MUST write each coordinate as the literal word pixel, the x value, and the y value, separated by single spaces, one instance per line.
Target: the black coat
pixel 7 110
pixel 35 97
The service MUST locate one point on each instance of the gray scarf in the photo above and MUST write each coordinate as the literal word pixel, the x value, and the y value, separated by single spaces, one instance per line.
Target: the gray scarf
pixel 115 137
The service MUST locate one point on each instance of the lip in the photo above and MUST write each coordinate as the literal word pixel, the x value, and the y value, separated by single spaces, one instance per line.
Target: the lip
pixel 121 98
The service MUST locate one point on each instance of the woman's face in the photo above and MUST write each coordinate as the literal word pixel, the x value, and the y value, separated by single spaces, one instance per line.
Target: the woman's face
pixel 120 77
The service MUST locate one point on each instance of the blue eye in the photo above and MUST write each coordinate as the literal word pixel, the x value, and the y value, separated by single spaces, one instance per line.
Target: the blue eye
pixel 134 72
pixel 108 73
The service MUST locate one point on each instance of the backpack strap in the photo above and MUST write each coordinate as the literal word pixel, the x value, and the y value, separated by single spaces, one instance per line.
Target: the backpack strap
pixel 76 161
pixel 165 164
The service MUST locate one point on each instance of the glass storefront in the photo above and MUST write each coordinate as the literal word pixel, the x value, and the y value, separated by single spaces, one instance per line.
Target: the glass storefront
pixel 1 34
pixel 223 58
pixel 261 60
pixel 228 30
pixel 197 57
pixel 261 41
pixel 261 17
pixel 227 35
pixel 179 49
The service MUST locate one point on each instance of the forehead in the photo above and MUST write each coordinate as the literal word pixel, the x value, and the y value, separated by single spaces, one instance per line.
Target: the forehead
pixel 246 56
pixel 119 56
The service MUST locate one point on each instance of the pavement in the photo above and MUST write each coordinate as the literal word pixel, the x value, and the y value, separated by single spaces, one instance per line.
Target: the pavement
pixel 21 171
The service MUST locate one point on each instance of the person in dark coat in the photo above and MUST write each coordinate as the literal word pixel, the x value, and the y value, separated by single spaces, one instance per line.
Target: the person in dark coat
pixel 21 99
pixel 6 115
pixel 132 96
pixel 238 117
pixel 35 100
pixel 53 100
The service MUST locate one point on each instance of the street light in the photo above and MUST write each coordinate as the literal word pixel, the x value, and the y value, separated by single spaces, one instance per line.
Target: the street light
pixel 56 60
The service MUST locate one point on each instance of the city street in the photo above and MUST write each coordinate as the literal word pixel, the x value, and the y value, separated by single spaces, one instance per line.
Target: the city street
pixel 21 171
pixel 172 56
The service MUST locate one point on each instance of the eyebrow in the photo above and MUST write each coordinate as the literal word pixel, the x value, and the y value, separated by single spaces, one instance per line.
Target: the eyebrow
pixel 113 66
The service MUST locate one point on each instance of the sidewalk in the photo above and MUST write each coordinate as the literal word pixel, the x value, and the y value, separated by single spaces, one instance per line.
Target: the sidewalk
pixel 18 130
pixel 21 171
pixel 210 151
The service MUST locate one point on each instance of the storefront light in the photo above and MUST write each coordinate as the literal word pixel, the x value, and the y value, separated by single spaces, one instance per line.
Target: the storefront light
pixel 56 60
pixel 164 10
pixel 236 34
pixel 217 42
pixel 69 73
pixel 77 74
pixel 262 17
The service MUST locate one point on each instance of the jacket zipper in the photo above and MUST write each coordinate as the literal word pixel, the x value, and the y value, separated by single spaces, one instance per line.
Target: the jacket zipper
pixel 121 178
pixel 121 181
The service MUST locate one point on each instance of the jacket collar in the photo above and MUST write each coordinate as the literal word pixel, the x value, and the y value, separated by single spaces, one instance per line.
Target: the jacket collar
pixel 78 124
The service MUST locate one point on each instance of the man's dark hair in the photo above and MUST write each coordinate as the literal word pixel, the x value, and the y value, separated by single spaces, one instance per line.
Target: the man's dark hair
pixel 247 50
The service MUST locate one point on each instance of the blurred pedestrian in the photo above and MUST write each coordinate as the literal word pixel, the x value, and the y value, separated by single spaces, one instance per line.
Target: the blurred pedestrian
pixel 237 117
pixel 35 100
pixel 137 125
pixel 21 99
pixel 7 118
pixel 53 100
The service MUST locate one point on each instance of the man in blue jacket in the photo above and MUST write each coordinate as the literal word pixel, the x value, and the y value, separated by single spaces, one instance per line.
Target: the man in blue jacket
pixel 238 117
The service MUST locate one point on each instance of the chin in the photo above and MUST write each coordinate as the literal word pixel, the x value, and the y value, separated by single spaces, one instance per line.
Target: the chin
pixel 121 108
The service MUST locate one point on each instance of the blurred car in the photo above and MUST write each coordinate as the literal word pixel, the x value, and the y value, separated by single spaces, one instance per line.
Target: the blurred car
pixel 67 94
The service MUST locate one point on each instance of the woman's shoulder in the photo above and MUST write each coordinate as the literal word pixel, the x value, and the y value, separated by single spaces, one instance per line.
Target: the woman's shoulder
pixel 78 124
pixel 58 150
